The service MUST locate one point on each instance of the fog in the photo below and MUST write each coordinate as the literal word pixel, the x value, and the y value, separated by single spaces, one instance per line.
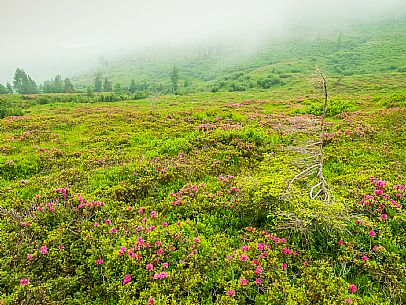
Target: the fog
pixel 46 37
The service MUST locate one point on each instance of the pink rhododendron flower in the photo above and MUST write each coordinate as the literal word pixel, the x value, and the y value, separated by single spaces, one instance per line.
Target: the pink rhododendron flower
pixel 353 288
pixel 141 210
pixel 384 216
pixel 60 247
pixel 378 192
pixel 196 240
pixel 113 230
pixel 348 301
pixel 284 266
pixel 365 258
pixel 99 262
pixel 258 270
pixel 165 224
pixel 243 281
pixel 245 248
pixel 151 301
pixel 231 292
pixel 153 214
pixel 372 233
pixel 127 279
pixel 306 263
pixel 165 265
pixel 258 281
pixel 149 267
pixel 341 242
pixel 96 224
pixel 43 250
pixel 160 276
pixel 244 257
pixel 24 282
pixel 261 246
pixel 108 222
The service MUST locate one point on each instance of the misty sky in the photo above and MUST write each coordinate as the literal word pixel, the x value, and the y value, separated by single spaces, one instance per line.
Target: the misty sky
pixel 46 37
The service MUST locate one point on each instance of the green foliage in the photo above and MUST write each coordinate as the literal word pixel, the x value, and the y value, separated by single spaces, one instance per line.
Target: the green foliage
pixel 23 83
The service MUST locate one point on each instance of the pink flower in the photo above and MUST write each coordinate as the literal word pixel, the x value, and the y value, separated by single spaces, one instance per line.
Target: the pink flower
pixel 231 292
pixel 151 301
pixel 141 210
pixel 24 282
pixel 96 224
pixel 160 276
pixel 306 263
pixel 258 281
pixel 29 257
pixel 122 250
pixel 258 270
pixel 365 258
pixel 244 257
pixel 149 267
pixel 353 288
pixel 60 247
pixel 153 214
pixel 196 240
pixel 243 281
pixel 245 248
pixel 165 265
pixel 165 224
pixel 372 233
pixel 348 301
pixel 384 216
pixel 341 242
pixel 99 262
pixel 378 192
pixel 43 250
pixel 113 230
pixel 127 279
pixel 261 246
pixel 108 222
pixel 284 266
pixel 160 251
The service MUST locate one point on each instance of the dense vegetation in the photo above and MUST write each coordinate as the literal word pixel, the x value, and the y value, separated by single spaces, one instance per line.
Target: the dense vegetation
pixel 179 198
pixel 119 194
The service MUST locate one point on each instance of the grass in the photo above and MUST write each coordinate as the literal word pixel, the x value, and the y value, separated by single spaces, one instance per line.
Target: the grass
pixel 213 166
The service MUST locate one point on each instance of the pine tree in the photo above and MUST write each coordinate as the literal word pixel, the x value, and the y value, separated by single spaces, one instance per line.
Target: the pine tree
pixel 23 83
pixel 107 85
pixel 98 84
pixel 9 88
pixel 117 89
pixel 174 79
pixel 3 89
pixel 132 87
pixel 68 86
pixel 58 85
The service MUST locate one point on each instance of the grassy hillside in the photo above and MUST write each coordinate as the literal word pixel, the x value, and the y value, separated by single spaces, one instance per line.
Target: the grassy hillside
pixel 347 54
pixel 182 200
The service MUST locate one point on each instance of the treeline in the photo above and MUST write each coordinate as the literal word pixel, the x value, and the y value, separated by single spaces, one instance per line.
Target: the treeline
pixel 24 84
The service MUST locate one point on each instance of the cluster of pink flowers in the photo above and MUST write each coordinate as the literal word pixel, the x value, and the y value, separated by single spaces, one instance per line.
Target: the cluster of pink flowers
pixel 160 276
pixel 353 288
pixel 288 251
pixel 99 262
pixel 43 250
pixel 24 282
pixel 127 279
